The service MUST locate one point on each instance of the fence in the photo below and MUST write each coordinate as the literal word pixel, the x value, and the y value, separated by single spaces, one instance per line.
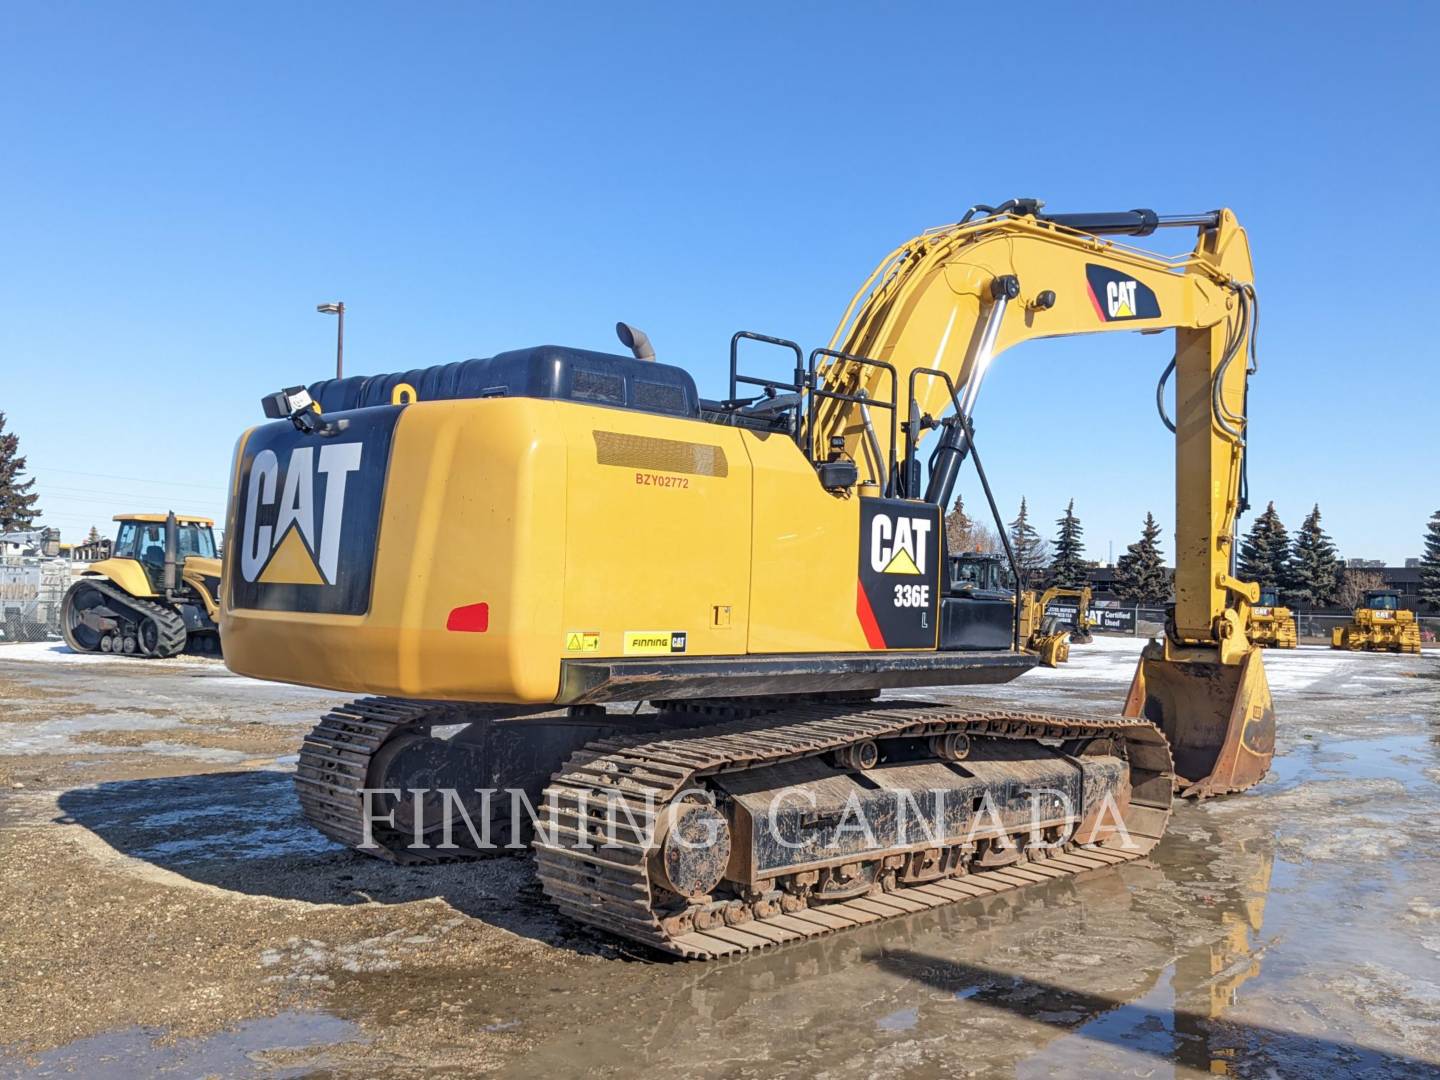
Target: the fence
pixel 31 589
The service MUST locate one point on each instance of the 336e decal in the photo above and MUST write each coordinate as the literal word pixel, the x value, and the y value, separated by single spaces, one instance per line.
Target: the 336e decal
pixel 897 599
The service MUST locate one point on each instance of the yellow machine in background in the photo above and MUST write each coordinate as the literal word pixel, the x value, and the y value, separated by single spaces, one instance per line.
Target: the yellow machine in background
pixel 1272 625
pixel 157 594
pixel 1046 635
pixel 1379 625
pixel 503 548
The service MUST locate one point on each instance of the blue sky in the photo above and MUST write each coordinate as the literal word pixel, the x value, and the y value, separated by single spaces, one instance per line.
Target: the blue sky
pixel 182 183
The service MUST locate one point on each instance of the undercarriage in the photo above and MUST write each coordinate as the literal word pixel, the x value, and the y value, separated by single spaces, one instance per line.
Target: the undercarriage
pixel 98 617
pixel 722 826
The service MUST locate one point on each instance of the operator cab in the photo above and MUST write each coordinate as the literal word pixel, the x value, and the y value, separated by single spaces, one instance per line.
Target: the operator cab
pixel 978 608
pixel 1382 600
pixel 142 537
pixel 1269 597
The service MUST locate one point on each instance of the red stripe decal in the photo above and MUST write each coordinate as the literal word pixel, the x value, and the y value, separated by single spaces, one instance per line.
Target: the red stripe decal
pixel 1096 301
pixel 873 636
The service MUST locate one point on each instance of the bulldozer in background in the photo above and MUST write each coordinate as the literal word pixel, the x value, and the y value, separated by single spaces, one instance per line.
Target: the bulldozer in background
pixel 1271 625
pixel 1379 625
pixel 156 596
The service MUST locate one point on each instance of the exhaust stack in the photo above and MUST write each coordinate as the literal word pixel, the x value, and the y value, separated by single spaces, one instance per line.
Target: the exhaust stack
pixel 172 545
pixel 636 340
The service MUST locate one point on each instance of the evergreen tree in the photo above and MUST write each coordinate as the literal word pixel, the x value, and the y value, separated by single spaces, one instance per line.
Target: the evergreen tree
pixel 1068 568
pixel 1140 576
pixel 93 536
pixel 17 504
pixel 1314 572
pixel 1030 553
pixel 1265 551
pixel 1430 563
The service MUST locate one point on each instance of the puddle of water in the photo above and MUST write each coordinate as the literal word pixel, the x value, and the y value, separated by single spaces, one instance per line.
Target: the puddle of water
pixel 134 1053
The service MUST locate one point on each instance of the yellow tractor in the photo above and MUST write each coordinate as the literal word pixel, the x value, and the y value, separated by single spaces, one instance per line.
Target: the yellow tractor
pixel 157 595
pixel 1379 625
pixel 654 628
pixel 1272 625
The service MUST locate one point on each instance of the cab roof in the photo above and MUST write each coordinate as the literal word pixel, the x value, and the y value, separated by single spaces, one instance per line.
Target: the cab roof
pixel 183 519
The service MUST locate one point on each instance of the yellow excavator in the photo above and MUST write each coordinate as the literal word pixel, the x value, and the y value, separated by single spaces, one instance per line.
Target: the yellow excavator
pixel 1380 624
pixel 1272 624
pixel 664 623
pixel 156 596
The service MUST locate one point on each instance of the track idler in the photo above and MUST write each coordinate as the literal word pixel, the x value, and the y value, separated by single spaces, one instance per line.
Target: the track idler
pixel 1219 718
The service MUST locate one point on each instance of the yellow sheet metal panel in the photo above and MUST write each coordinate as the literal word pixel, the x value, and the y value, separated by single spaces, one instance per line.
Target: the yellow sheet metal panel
pixel 805 568
pixel 657 536
pixel 474 513
pixel 128 574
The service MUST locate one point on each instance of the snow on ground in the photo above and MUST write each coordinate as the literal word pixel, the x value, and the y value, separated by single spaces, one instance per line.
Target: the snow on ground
pixel 57 652
pixel 1310 667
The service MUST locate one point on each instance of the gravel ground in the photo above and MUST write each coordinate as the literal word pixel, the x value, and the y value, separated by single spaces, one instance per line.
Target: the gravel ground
pixel 169 912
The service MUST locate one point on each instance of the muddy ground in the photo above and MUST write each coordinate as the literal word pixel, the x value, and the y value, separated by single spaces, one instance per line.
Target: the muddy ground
pixel 166 911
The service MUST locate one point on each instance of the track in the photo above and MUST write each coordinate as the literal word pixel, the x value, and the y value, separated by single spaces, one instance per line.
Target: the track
pixel 615 890
pixel 335 762
pixel 155 630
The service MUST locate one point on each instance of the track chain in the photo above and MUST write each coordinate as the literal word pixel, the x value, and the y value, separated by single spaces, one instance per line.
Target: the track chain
pixel 612 888
pixel 335 763
pixel 172 634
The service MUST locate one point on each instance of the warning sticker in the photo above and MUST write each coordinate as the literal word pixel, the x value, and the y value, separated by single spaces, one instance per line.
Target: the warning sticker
pixel 654 642
pixel 582 641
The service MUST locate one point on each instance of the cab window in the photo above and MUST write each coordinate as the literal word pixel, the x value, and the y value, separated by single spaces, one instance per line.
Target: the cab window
pixel 125 540
pixel 195 540
pixel 152 543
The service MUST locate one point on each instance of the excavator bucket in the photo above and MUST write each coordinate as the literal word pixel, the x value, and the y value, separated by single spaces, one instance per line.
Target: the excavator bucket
pixel 1219 718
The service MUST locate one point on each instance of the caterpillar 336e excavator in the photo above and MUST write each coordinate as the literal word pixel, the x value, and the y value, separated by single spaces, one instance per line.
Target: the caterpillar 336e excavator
pixel 503 551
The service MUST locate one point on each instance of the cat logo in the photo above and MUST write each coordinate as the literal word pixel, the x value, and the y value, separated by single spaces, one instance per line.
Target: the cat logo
pixel 1116 296
pixel 1120 299
pixel 898 544
pixel 302 547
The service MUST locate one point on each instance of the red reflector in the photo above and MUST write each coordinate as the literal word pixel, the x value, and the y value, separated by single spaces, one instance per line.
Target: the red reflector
pixel 470 619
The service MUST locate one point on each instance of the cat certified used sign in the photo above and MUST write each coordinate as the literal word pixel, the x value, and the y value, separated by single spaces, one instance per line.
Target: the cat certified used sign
pixel 307 513
pixel 898 599
pixel 654 642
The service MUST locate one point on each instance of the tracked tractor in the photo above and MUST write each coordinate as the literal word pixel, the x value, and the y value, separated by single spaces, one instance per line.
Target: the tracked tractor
pixel 1272 625
pixel 667 623
pixel 157 595
pixel 1379 625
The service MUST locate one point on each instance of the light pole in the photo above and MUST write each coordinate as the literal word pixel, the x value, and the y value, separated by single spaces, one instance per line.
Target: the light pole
pixel 338 309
